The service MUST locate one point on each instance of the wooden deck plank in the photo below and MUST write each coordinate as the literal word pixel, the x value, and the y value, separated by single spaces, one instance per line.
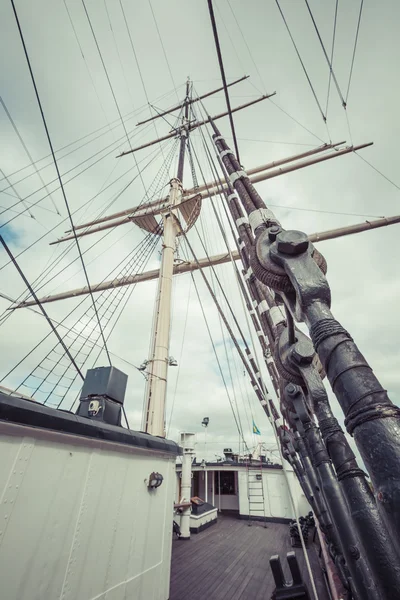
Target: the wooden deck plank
pixel 230 561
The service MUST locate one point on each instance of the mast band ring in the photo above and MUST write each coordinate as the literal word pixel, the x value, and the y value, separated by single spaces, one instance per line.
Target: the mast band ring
pixel 225 152
pixel 237 175
pixel 260 216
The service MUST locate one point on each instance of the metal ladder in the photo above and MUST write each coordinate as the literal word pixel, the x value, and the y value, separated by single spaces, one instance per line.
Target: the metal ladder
pixel 255 492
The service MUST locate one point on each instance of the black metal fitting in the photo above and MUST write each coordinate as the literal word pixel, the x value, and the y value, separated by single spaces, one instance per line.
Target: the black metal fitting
pixel 273 232
pixel 296 589
pixel 292 242
pixel 267 267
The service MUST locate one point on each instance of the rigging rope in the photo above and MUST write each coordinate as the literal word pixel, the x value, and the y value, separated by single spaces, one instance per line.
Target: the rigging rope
pixel 145 246
pixel 331 59
pixel 163 48
pixel 180 358
pixel 153 239
pixel 301 62
pixel 60 340
pixel 27 152
pixel 116 123
pixel 137 63
pixel 326 56
pixel 56 166
pixel 87 65
pixel 76 211
pixel 221 66
pixel 354 50
pixel 247 46
pixel 217 359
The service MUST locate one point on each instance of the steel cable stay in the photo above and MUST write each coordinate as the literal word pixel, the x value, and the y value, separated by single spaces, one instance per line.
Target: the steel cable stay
pixel 116 301
pixel 28 154
pixel 223 77
pixel 87 65
pixel 214 174
pixel 101 239
pixel 247 46
pixel 23 297
pixel 216 276
pixel 163 49
pixel 111 88
pixel 162 172
pixel 180 358
pixel 46 337
pixel 136 60
pixel 111 145
pixel 128 296
pixel 74 177
pixel 82 162
pixel 76 211
pixel 135 263
pixel 331 58
pixel 153 239
pixel 116 123
pixel 118 52
pixel 331 71
pixel 240 432
pixel 354 50
pixel 56 165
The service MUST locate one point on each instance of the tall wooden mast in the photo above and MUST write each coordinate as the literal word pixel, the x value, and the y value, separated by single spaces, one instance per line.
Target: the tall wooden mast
pixel 156 388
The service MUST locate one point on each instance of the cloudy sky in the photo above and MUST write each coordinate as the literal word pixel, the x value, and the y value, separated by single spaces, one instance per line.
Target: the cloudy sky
pixel 77 101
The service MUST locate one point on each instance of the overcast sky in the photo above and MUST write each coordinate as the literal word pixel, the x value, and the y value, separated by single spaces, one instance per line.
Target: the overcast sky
pixel 76 97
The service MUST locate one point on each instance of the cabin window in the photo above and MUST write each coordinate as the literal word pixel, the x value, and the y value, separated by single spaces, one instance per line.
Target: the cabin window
pixel 225 483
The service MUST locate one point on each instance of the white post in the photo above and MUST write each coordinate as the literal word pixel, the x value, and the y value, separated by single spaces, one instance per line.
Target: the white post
pixel 158 364
pixel 219 491
pixel 187 443
pixel 206 483
pixel 213 487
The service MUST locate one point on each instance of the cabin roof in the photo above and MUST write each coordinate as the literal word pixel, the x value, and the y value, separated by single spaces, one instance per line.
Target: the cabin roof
pixel 30 413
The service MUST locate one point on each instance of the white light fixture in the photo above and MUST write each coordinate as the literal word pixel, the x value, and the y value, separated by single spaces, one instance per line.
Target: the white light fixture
pixel 172 362
pixel 155 480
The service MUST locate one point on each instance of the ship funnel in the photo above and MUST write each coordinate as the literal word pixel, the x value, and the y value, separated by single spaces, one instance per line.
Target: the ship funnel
pixel 103 395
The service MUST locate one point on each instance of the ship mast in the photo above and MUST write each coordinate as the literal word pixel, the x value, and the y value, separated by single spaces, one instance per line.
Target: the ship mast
pixel 157 366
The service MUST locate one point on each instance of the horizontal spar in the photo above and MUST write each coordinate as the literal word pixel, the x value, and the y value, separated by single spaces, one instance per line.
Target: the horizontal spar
pixel 196 125
pixel 179 106
pixel 117 219
pixel 275 163
pixel 219 259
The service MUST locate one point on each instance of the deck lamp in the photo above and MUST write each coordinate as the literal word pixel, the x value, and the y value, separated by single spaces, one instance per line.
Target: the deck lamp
pixel 155 480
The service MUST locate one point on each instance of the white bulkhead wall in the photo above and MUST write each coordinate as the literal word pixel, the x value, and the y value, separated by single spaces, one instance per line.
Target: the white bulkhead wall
pixel 276 495
pixel 77 521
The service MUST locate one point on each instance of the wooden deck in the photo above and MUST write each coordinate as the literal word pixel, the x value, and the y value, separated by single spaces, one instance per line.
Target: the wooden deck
pixel 230 561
